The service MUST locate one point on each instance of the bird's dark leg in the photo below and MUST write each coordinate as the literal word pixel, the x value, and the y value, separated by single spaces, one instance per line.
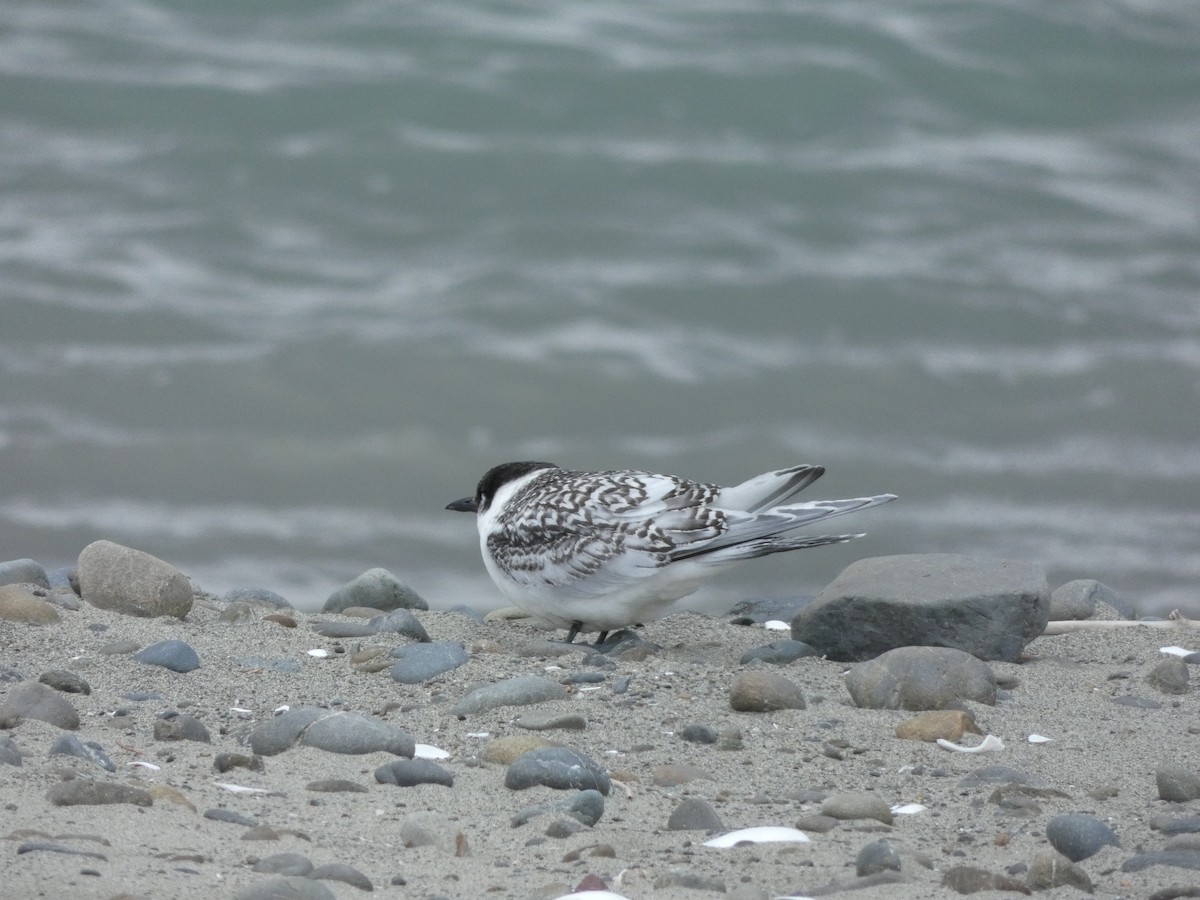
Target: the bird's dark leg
pixel 574 631
pixel 600 639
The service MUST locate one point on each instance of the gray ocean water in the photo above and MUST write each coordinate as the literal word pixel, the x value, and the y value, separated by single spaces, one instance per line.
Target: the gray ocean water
pixel 280 280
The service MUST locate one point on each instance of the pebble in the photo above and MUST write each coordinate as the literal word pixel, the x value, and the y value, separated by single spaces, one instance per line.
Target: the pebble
pixel 23 571
pixel 354 733
pixel 1177 784
pixel 132 582
pixel 376 589
pixel 694 814
pixel 857 806
pixel 760 691
pixel 778 652
pixel 875 857
pixel 65 681
pixel 940 724
pixel 556 767
pixel 230 816
pixel 1079 836
pixel 175 655
pixel 279 733
pixel 86 792
pixel 1170 676
pixel 418 663
pixel 1182 859
pixel 1051 869
pixel 69 744
pixel 52 847
pixel 33 700
pixel 989 608
pixel 522 690
pixel 19 605
pixel 343 873
pixel 921 678
pixel 285 887
pixel 411 772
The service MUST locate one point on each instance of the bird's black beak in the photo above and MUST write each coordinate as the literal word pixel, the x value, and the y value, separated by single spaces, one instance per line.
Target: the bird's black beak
pixel 466 504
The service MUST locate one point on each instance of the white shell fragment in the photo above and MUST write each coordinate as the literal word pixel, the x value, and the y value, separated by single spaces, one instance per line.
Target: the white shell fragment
pixel 1176 651
pixel 318 652
pixel 991 743
pixel 428 751
pixel 908 809
pixel 146 765
pixel 762 834
pixel 1038 739
pixel 240 789
pixel 777 625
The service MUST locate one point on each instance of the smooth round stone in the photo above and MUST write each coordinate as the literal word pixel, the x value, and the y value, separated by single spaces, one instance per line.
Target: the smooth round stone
pixel 71 745
pixel 343 873
pixel 344 629
pixel 376 589
pixel 230 816
pixel 411 772
pixel 86 792
pixel 171 654
pixel 1079 836
pixel 700 734
pixel 33 700
pixel 1182 859
pixel 180 728
pixel 417 663
pixel 877 856
pixel 556 767
pixel 132 582
pixel 293 887
pixel 354 733
pixel 522 690
pixel 857 806
pixel 280 732
pixel 284 864
pixel 778 652
pixel 23 571
pixel 1177 784
pixel 19 605
pixel 402 622
pixel 256 595
pixel 764 692
pixel 64 578
pixel 66 681
pixel 694 814
pixel 920 678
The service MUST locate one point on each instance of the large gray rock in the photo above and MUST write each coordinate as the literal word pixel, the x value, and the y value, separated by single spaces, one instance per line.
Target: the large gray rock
pixel 918 678
pixel 132 582
pixel 990 608
pixel 23 571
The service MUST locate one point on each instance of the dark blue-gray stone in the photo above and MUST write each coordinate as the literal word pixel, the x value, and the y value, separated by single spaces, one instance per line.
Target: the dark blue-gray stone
pixel 1182 825
pixel 1183 859
pixel 400 621
pixel 1078 600
pixel 355 734
pixel 354 629
pixel 23 571
pixel 990 608
pixel 71 745
pixel 230 816
pixel 177 656
pixel 66 681
pixel 52 847
pixel 556 767
pixel 281 732
pixel 1079 836
pixel 778 652
pixel 920 678
pixel 411 772
pixel 522 690
pixel 285 887
pixel 256 595
pixel 65 577
pixel 417 663
pixel 375 589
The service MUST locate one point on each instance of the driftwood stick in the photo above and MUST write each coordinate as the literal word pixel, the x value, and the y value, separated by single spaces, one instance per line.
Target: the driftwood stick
pixel 1175 621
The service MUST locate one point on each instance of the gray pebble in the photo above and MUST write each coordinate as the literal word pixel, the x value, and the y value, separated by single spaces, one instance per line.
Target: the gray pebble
pixel 132 582
pixel 920 678
pixel 1177 784
pixel 284 864
pixel 180 728
pixel 256 595
pixel 857 806
pixel 877 856
pixel 65 681
pixel 32 700
pixel 71 745
pixel 23 571
pixel 1136 702
pixel 343 873
pixel 285 887
pixel 1183 859
pixel 760 691
pixel 344 629
pixel 1182 825
pixel 65 578
pixel 354 733
pixel 228 815
pixel 86 792
pixel 411 772
pixel 522 690
pixel 556 767
pixel 51 847
pixel 1079 836
pixel 122 647
pixel 694 814
pixel 1080 599
pixel 417 663
pixel 778 652
pixel 175 655
pixel 375 589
